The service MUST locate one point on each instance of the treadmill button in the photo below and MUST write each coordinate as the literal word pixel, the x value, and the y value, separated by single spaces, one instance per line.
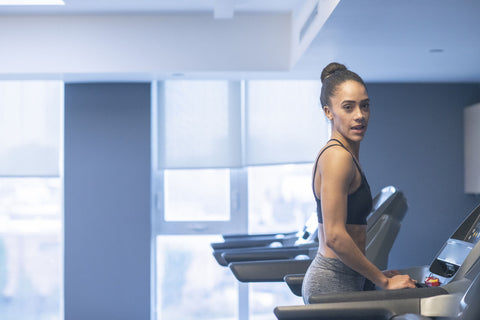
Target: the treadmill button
pixel 432 282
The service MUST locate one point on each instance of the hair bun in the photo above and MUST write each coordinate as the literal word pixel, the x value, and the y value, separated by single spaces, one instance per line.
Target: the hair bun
pixel 330 69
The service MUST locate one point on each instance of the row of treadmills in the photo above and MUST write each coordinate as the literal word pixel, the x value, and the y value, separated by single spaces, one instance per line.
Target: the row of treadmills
pixel 285 258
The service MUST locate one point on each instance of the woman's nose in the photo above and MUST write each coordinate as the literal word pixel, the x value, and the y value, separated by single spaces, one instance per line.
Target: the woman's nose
pixel 359 114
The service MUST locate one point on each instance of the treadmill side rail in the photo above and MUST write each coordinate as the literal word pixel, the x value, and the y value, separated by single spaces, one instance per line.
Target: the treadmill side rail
pixel 295 282
pixel 361 310
pixel 441 306
pixel 379 295
pixel 268 271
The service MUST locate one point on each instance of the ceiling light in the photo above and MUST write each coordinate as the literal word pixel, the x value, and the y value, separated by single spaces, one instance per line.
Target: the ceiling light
pixel 31 2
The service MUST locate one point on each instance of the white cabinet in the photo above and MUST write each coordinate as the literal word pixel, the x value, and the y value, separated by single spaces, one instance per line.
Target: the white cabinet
pixel 472 148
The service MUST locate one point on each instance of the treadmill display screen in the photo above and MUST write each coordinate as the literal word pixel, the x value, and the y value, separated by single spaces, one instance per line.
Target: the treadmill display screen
pixel 474 234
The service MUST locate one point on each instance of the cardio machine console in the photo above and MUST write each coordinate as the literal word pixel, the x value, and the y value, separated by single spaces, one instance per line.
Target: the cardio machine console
pixel 474 234
pixel 454 253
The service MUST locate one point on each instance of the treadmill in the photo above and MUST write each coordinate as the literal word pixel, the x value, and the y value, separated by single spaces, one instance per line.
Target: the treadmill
pixel 456 266
pixel 254 247
pixel 235 241
pixel 383 224
pixel 306 240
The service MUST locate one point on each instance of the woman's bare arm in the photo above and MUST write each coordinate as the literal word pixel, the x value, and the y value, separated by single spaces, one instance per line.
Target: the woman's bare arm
pixel 337 174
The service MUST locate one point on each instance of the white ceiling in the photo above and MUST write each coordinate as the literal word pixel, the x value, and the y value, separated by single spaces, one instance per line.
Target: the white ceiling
pixel 164 6
pixel 384 41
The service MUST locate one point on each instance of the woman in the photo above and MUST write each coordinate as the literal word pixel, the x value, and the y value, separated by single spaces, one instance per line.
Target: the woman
pixel 343 195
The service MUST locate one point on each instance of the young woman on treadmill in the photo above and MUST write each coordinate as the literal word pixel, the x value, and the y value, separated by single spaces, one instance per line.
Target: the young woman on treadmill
pixel 343 195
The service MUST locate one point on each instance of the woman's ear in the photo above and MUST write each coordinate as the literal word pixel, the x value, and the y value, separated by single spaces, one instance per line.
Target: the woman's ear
pixel 328 112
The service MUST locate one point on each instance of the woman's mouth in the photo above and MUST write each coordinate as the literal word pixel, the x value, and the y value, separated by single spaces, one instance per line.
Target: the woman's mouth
pixel 359 129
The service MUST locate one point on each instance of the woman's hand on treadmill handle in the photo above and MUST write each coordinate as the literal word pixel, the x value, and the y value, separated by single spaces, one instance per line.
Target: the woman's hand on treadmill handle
pixel 400 281
pixel 390 273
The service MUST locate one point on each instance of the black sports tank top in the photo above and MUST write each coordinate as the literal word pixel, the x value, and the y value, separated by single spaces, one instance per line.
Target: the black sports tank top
pixel 359 203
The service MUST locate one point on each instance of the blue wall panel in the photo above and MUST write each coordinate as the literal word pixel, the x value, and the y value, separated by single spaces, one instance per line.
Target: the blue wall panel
pixel 107 201
pixel 415 142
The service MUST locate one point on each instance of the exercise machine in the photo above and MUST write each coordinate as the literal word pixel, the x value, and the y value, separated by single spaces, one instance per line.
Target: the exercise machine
pixel 442 284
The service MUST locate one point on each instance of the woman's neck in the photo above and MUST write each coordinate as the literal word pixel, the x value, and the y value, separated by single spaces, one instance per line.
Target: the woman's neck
pixel 352 146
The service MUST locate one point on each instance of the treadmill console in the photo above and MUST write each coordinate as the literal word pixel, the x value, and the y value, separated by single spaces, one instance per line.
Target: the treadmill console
pixel 451 258
pixel 474 234
pixel 457 248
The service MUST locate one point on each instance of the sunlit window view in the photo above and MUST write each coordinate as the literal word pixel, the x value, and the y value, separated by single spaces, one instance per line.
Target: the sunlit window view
pixel 30 248
pixel 280 198
pixel 192 195
pixel 31 232
pixel 265 296
pixel 190 284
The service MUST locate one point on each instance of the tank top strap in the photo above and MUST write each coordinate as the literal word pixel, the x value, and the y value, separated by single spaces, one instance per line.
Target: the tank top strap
pixel 353 157
pixel 316 163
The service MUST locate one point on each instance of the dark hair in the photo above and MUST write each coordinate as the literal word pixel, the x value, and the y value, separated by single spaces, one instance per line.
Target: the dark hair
pixel 333 75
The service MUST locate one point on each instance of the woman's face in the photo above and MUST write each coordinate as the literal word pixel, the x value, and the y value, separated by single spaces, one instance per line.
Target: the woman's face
pixel 349 110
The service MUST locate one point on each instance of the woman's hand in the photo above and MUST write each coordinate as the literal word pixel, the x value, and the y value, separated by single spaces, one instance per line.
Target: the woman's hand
pixel 390 273
pixel 400 281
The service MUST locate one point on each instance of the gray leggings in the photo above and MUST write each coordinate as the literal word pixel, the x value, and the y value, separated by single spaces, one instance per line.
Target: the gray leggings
pixel 329 275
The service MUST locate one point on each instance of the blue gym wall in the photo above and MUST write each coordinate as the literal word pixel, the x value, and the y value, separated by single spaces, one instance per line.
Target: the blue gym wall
pixel 415 142
pixel 107 201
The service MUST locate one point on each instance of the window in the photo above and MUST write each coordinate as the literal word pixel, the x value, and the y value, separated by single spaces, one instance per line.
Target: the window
pixel 229 157
pixel 199 125
pixel 197 195
pixel 284 122
pixel 30 128
pixel 264 297
pixel 280 197
pixel 190 284
pixel 31 236
pixel 197 145
pixel 30 248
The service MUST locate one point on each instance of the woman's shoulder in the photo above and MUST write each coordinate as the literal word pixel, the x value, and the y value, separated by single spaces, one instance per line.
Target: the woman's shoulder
pixel 332 147
pixel 335 158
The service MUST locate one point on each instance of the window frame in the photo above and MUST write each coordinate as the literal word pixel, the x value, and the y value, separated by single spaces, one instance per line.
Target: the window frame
pixel 238 222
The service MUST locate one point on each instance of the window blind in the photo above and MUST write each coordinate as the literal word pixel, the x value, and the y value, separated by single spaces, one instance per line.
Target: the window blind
pixel 199 124
pixel 284 122
pixel 30 129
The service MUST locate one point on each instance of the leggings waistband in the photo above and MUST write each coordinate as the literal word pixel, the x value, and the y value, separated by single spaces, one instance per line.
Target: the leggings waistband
pixel 334 265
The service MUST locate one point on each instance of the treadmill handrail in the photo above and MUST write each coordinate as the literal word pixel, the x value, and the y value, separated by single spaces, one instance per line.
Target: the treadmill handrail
pixel 378 295
pixel 226 256
pixel 268 271
pixel 282 253
pixel 244 236
pixel 256 242
pixel 381 309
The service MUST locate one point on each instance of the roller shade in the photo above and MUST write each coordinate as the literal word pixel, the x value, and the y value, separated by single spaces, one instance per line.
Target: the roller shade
pixel 204 124
pixel 285 123
pixel 199 124
pixel 30 129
